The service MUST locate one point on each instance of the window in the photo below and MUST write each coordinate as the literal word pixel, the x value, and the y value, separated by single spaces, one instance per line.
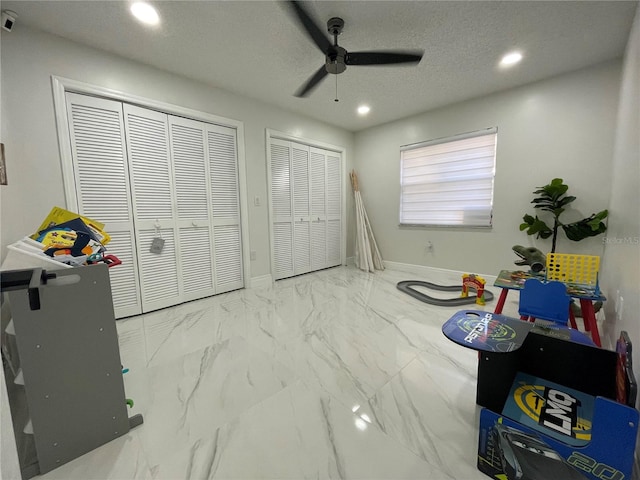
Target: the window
pixel 449 181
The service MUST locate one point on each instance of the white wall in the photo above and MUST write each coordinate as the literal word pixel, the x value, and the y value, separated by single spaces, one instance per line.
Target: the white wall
pixel 30 57
pixel 562 127
pixel 621 266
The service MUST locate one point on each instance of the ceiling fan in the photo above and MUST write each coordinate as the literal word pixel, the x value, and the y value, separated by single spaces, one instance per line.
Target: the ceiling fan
pixel 337 58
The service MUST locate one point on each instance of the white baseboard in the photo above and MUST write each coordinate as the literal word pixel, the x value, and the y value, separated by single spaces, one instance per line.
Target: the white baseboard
pixel 350 261
pixel 425 270
pixel 261 281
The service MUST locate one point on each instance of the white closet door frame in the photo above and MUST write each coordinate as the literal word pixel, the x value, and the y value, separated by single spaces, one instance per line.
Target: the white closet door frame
pixel 274 135
pixel 62 85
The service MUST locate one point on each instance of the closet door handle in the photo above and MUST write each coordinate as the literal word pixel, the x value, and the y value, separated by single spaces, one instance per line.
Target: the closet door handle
pixel 194 224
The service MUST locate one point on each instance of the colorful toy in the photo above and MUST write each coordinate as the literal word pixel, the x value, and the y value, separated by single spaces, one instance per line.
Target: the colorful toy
pixel 405 286
pixel 530 256
pixel 110 260
pixel 549 399
pixel 470 280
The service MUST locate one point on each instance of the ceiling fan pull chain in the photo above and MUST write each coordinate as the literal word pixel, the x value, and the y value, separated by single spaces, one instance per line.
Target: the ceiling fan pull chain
pixel 336 99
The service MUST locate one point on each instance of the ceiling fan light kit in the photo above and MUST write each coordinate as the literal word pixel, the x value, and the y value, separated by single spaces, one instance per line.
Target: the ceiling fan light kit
pixel 336 57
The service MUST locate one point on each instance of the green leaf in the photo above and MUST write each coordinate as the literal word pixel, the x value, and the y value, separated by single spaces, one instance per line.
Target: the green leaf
pixel 551 198
pixel 536 226
pixel 587 227
pixel 546 208
pixel 566 200
pixel 541 191
pixel 596 220
pixel 555 189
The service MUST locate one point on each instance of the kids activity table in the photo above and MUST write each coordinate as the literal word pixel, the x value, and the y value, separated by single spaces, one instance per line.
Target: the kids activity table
pixel 587 294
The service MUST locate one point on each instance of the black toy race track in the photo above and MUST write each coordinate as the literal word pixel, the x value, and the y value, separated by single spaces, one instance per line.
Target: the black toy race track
pixel 406 285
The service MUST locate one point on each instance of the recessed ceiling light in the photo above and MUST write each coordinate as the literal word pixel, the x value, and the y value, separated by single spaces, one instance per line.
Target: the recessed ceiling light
pixel 510 59
pixel 363 109
pixel 145 13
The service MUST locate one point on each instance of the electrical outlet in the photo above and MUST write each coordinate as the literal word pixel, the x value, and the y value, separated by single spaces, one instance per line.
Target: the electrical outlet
pixel 429 247
pixel 256 201
pixel 253 254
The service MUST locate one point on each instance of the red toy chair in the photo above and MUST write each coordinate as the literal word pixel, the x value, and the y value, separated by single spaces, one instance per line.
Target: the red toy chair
pixel 547 301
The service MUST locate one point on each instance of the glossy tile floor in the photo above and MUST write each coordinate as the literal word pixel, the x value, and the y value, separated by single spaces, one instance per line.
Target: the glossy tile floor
pixel 335 374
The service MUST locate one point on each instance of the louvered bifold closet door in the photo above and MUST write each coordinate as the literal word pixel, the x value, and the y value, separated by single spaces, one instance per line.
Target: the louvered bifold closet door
pixel 301 209
pixel 153 194
pixel 318 209
pixel 222 155
pixel 192 187
pixel 102 186
pixel 334 209
pixel 281 208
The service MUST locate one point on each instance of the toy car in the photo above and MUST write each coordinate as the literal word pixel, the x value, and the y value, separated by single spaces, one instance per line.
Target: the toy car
pixel 525 456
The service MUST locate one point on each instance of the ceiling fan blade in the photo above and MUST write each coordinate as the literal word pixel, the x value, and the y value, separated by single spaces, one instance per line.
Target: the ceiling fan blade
pixel 383 58
pixel 312 29
pixel 312 83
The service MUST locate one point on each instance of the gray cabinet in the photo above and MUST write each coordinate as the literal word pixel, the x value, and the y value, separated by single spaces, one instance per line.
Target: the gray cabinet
pixel 62 365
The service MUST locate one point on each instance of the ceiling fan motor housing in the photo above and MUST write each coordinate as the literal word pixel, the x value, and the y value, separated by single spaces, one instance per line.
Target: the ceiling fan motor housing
pixel 336 60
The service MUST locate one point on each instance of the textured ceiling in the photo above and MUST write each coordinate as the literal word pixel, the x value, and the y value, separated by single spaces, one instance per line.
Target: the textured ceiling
pixel 256 50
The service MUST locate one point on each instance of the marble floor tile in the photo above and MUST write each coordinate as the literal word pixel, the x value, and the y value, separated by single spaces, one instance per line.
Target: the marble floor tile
pixel 170 335
pixel 122 458
pixel 428 407
pixel 333 374
pixel 188 397
pixel 296 434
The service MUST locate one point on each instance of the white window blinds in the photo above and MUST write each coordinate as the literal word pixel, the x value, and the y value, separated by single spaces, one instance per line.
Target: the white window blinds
pixel 449 182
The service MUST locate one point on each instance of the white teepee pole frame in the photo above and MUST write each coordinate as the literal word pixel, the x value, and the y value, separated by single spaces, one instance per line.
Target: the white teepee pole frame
pixel 368 256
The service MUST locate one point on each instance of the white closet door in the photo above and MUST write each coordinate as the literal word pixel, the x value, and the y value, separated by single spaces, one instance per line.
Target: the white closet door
pixel 301 208
pixel 281 202
pixel 154 209
pixel 318 209
pixel 192 187
pixel 334 209
pixel 306 201
pixel 222 159
pixel 102 186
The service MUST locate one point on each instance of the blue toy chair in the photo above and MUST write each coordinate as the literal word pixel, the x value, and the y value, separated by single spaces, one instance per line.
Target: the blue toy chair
pixel 544 300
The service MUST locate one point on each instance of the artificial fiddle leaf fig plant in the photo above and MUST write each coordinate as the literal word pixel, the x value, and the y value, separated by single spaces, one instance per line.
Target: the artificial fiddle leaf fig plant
pixel 553 199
